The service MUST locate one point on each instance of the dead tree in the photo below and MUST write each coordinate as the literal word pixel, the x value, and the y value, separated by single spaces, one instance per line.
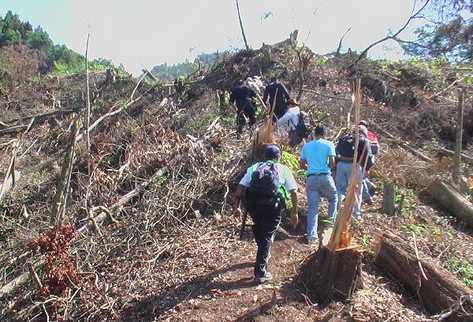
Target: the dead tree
pixel 241 26
pixel 364 53
pixel 452 200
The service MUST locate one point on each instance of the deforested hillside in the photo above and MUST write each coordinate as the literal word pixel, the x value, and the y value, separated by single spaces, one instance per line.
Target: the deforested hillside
pixel 123 213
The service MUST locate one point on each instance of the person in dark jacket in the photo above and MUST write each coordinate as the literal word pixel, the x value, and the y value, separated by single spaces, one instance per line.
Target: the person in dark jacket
pixel 242 96
pixel 276 90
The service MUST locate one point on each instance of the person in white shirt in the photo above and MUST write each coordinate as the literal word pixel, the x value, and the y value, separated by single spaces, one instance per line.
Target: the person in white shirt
pixel 290 119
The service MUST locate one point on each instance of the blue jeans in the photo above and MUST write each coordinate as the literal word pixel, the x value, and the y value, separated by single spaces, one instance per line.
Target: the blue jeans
pixel 342 178
pixel 319 186
pixel 367 186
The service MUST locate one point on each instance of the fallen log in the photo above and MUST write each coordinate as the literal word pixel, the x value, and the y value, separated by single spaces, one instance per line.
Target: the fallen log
pixel 464 156
pixel 438 291
pixel 452 200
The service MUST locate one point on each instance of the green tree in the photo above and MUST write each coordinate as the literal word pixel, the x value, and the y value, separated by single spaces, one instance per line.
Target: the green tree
pixel 449 34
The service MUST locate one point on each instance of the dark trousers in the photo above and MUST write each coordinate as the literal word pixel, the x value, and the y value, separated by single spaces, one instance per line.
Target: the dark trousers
pixel 247 111
pixel 266 221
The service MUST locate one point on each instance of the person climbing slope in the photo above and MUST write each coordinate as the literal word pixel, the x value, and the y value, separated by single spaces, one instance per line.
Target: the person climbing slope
pixel 242 96
pixel 345 153
pixel 318 159
pixel 276 91
pixel 263 187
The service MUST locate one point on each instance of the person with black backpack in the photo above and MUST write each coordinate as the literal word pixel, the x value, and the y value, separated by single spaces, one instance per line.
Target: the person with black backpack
pixel 294 122
pixel 345 153
pixel 264 187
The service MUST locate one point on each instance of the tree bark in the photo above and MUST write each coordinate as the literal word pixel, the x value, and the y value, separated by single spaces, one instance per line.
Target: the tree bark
pixel 241 26
pixel 328 275
pixel 452 200
pixel 389 206
pixel 440 291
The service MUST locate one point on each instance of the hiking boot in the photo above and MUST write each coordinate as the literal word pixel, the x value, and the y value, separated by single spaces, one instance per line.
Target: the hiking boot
pixel 263 279
pixel 311 240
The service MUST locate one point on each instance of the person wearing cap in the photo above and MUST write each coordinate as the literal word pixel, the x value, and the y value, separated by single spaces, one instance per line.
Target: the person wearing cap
pixel 266 216
pixel 345 153
pixel 278 95
pixel 318 159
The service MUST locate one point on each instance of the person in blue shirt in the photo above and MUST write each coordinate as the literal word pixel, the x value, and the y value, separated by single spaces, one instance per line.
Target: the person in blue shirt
pixel 318 158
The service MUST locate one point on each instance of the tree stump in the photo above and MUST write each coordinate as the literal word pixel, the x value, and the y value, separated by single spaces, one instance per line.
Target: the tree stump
pixel 328 275
pixel 389 205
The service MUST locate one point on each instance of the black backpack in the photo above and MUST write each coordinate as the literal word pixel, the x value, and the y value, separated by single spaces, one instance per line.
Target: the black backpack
pixel 346 145
pixel 264 185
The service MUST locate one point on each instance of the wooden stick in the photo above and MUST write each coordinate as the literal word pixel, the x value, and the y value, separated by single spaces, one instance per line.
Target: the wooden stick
pixel 458 141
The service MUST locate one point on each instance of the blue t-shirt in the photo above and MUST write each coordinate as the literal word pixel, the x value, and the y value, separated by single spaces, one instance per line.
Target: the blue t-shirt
pixel 316 154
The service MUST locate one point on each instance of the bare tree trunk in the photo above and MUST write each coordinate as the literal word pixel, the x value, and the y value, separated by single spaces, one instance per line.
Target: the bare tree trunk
pixel 458 145
pixel 241 26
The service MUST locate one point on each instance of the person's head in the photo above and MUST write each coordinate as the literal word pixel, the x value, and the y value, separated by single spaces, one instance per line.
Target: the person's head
pixel 273 79
pixel 363 130
pixel 272 152
pixel 364 123
pixel 319 131
pixel 292 102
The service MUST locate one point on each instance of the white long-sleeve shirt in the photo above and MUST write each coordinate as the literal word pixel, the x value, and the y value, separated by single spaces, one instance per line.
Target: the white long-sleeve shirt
pixel 290 119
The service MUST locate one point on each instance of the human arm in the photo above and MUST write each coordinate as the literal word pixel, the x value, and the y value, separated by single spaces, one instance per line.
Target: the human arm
pixel 331 162
pixel 284 91
pixel 294 212
pixel 237 205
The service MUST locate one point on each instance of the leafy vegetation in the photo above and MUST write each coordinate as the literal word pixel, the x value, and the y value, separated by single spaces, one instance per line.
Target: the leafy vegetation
pixel 181 70
pixel 60 59
pixel 448 35
pixel 463 268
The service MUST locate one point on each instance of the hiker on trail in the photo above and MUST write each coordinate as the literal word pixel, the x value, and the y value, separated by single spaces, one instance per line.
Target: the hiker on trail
pixel 264 187
pixel 345 152
pixel 369 187
pixel 293 121
pixel 318 159
pixel 276 90
pixel 242 96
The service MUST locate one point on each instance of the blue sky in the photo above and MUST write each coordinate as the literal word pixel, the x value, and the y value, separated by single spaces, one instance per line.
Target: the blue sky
pixel 144 33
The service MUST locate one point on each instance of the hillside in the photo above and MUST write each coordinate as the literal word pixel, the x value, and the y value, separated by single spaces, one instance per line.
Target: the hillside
pixel 147 231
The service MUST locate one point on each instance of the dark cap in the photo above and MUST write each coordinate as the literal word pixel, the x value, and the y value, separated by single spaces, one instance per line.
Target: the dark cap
pixel 363 122
pixel 271 152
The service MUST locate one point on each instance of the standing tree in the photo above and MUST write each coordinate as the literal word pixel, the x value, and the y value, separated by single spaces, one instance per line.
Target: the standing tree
pixel 449 33
pixel 241 25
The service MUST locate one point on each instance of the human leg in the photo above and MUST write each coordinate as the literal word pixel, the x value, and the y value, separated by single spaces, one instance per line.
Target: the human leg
pixel 268 223
pixel 329 191
pixel 313 200
pixel 358 195
pixel 342 177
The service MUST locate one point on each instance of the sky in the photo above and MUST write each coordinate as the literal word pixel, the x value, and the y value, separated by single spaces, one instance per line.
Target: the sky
pixel 145 33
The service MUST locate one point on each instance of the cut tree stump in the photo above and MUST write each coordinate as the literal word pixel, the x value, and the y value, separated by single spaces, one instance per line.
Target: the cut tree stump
pixel 452 200
pixel 389 205
pixel 441 291
pixel 330 275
